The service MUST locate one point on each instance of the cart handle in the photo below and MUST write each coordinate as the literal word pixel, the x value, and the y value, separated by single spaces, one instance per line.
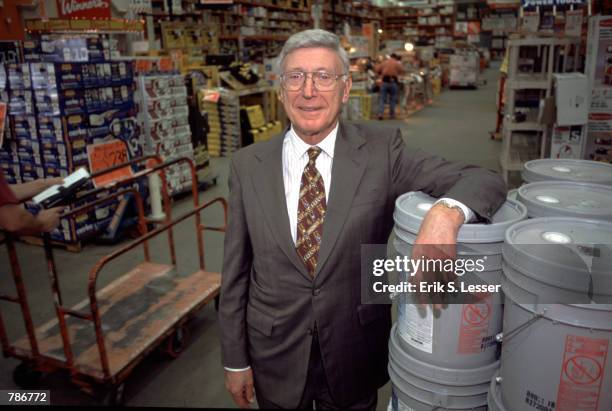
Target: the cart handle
pixel 159 166
pixel 95 271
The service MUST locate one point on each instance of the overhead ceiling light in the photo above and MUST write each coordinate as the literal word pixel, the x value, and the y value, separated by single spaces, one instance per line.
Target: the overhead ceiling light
pixel 352 50
pixel 408 46
pixel 380 31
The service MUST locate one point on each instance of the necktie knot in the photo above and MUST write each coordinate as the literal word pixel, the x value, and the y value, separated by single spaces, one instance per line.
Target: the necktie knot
pixel 313 153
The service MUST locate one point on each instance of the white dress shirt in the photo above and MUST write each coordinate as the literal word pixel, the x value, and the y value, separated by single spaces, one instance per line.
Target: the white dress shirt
pixel 295 159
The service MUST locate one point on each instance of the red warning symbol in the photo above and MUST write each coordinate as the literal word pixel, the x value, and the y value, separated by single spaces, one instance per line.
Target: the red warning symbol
pixel 582 369
pixel 474 326
pixel 583 363
pixel 476 313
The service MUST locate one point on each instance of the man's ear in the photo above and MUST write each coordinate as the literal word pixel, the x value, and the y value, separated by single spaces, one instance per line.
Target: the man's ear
pixel 347 89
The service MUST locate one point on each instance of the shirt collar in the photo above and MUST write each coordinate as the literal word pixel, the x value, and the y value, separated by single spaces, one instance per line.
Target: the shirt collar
pixel 301 147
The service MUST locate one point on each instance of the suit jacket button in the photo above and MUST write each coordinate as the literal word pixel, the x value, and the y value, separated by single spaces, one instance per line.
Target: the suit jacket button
pixel 310 331
pixel 316 291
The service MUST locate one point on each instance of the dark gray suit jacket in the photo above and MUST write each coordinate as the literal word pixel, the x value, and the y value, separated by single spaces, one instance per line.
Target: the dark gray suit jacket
pixel 269 304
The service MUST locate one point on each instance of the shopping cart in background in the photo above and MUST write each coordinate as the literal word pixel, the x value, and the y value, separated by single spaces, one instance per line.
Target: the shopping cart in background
pixel 100 340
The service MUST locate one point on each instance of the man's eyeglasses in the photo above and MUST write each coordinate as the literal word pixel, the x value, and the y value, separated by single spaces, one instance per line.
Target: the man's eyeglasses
pixel 321 80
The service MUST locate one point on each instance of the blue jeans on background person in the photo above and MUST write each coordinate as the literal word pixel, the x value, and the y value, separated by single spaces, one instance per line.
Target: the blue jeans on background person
pixel 387 89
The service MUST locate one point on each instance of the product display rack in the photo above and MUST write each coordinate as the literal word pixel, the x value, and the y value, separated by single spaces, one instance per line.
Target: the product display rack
pixel 539 58
pixel 164 118
pixel 336 14
pixel 66 96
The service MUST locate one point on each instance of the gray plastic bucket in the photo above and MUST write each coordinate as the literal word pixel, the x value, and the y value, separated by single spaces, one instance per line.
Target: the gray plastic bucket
pixel 555 353
pixel 582 171
pixel 558 259
pixel 512 194
pixel 567 198
pixel 494 400
pixel 410 209
pixel 421 386
pixel 460 336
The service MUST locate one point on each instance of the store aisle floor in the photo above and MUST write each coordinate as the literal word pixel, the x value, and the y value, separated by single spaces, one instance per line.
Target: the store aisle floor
pixel 455 126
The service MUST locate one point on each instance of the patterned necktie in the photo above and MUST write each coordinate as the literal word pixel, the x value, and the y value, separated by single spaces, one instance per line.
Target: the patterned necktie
pixel 311 213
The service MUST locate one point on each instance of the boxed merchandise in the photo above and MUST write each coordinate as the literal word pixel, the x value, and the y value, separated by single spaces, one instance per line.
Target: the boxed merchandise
pixel 599 63
pixel 24 126
pixel 21 102
pixel 571 98
pixel 567 141
pixel 18 76
pixel 66 49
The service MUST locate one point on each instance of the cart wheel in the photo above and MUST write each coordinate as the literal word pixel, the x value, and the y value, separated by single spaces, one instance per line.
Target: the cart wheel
pixel 177 341
pixel 114 396
pixel 25 376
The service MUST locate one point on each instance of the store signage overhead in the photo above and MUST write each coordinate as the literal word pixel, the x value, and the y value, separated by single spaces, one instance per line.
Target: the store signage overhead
pixel 84 8
pixel 540 3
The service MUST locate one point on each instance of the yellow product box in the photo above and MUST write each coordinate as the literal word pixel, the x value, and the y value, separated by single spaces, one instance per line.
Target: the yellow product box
pixel 256 116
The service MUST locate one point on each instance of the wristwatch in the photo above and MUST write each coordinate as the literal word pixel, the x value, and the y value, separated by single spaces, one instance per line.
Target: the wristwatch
pixel 454 206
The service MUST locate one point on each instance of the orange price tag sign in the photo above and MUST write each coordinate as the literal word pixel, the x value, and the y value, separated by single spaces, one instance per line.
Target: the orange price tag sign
pixel 105 155
pixel 212 96
pixel 144 66
pixel 166 64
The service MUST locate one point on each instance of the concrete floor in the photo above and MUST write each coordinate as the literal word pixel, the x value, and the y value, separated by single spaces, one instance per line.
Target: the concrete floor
pixel 455 126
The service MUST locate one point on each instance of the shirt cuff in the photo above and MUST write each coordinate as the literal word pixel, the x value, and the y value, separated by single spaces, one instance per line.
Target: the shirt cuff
pixel 467 213
pixel 237 369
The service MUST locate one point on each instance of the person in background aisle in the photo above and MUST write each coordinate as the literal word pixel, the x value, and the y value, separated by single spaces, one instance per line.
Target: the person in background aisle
pixel 389 70
pixel 14 218
pixel 294 330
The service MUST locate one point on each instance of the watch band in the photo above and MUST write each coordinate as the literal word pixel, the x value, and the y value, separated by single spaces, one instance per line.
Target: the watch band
pixel 453 205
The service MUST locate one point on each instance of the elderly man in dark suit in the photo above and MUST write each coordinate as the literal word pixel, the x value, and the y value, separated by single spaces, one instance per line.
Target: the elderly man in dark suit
pixel 293 328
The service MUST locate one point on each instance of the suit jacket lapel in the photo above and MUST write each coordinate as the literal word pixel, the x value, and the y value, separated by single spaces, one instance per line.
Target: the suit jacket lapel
pixel 267 177
pixel 348 167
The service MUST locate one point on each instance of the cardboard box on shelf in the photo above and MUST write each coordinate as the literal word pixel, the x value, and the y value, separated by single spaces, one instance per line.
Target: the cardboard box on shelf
pixel 571 98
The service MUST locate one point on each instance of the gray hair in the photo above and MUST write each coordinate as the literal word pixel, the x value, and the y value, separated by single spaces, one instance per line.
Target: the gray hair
pixel 310 39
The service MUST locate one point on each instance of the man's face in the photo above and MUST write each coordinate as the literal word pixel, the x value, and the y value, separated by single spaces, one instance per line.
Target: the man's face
pixel 313 113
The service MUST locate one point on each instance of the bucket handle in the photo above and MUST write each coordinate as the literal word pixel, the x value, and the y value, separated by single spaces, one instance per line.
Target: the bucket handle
pixel 502 336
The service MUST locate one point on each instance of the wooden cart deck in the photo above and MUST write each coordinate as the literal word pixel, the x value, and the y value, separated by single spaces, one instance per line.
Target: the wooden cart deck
pixel 137 311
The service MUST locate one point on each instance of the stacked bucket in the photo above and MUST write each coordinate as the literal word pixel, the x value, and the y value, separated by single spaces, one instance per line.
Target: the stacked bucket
pixel 557 330
pixel 445 360
pixel 556 272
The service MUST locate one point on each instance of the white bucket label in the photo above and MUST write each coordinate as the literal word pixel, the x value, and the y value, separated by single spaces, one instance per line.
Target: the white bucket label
pixel 416 327
pixel 584 363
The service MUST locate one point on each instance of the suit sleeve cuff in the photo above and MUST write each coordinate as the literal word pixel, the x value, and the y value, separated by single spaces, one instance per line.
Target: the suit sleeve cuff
pixel 467 213
pixel 236 369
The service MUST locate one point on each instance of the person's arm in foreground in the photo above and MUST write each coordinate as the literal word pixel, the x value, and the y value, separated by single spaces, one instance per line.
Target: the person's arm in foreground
pixel 14 218
pixel 25 191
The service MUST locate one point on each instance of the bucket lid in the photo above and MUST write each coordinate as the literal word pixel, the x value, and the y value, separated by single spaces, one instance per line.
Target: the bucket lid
pixel 410 209
pixel 567 198
pixel 564 252
pixel 585 171
pixel 434 373
pixel 512 194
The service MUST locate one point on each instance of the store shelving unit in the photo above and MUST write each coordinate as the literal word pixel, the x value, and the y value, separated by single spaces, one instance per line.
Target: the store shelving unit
pixel 335 14
pixel 531 65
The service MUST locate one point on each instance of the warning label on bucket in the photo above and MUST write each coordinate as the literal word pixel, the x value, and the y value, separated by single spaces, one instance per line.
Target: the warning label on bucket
pixel 474 326
pixel 416 327
pixel 581 373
